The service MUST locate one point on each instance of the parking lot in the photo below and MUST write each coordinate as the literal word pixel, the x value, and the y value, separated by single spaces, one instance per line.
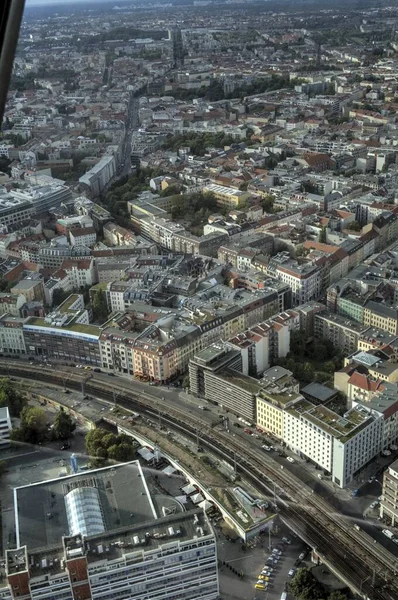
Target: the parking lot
pixel 251 562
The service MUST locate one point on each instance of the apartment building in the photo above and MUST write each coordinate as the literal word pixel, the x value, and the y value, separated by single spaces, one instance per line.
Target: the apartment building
pixel 5 427
pixel 378 314
pixel 279 391
pixel 342 332
pixel 117 349
pixel 260 345
pixel 80 272
pixel 389 501
pixel 83 236
pixel 164 349
pixel 228 197
pixel 12 339
pixel 304 279
pixel 109 538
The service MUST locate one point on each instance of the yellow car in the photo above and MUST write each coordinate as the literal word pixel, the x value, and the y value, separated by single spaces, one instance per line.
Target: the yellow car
pixel 263 578
pixel 260 585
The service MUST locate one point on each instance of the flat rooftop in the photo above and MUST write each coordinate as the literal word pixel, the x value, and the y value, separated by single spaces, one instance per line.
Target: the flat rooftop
pixel 132 540
pixel 76 327
pixel 125 501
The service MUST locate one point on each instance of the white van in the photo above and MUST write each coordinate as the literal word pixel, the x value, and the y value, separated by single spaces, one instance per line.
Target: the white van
pixel 388 533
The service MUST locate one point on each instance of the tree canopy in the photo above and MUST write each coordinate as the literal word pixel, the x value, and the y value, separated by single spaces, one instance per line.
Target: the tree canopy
pixel 103 445
pixel 304 586
pixel 11 396
pixel 100 307
pixel 33 428
pixel 311 360
pixel 63 426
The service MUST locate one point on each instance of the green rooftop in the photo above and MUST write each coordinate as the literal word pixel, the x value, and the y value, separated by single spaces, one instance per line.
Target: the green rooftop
pixel 77 327
pixel 247 383
pixel 65 306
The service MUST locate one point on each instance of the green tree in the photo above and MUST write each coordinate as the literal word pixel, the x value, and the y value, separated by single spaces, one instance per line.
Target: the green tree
pixel 100 307
pixel 11 396
pixel 320 352
pixel 102 445
pixel 33 428
pixel 354 226
pixel 267 203
pixel 304 586
pixel 121 452
pixel 323 236
pixel 337 595
pixel 63 426
pixel 329 366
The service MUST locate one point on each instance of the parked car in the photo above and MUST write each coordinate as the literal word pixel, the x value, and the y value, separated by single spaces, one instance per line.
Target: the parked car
pixel 292 572
pixel 286 540
pixel 248 431
pixel 302 555
pixel 266 448
pixel 374 504
pixel 371 479
pixel 65 447
pixel 393 447
pixel 260 585
pixel 290 459
pixel 386 452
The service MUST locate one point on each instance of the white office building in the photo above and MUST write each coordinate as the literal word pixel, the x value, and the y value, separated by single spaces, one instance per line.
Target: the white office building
pixel 341 446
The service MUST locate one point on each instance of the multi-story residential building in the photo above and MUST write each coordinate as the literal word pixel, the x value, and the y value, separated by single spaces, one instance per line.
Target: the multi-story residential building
pixel 341 331
pixel 262 344
pixel 81 273
pixel 279 391
pixel 12 339
pixel 389 497
pixel 304 279
pixel 52 255
pixel 117 349
pixel 163 350
pixel 381 316
pixel 11 304
pixel 5 427
pixel 362 387
pixel 227 196
pixel 83 236
pixel 109 538
pixel 31 289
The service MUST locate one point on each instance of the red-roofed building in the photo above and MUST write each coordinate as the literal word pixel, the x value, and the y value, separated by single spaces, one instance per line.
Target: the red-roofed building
pixel 362 388
pixel 319 162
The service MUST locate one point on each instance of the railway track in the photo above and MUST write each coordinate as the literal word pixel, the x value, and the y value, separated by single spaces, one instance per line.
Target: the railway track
pixel 369 568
